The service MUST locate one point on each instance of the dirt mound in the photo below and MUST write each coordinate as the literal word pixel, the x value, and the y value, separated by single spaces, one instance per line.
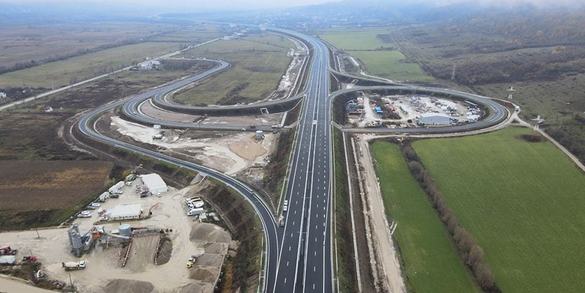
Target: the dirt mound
pixel 205 232
pixel 128 286
pixel 195 288
pixel 209 260
pixel 164 251
pixel 142 252
pixel 247 148
pixel 207 275
pixel 215 248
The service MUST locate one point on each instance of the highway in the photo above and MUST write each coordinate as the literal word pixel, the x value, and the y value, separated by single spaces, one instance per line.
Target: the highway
pixel 298 256
pixel 305 262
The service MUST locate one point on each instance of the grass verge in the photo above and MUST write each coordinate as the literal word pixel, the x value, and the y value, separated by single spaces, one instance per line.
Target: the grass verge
pixel 343 231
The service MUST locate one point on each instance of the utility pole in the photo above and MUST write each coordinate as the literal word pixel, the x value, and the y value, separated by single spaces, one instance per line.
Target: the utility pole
pixel 453 71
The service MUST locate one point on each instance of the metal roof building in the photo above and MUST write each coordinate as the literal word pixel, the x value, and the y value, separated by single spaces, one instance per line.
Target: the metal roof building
pixel 154 183
pixel 124 212
pixel 435 119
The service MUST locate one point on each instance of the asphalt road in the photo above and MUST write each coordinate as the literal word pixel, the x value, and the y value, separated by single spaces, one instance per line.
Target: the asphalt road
pixel 305 262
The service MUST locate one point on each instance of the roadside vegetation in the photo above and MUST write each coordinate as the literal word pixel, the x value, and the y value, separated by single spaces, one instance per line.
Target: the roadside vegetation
pixel 343 230
pixel 258 62
pixel 429 257
pixel 520 199
pixel 245 227
pixel 379 58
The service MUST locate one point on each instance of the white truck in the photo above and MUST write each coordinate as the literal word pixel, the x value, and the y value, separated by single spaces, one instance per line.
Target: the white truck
pixel 74 265
pixel 116 190
pixel 7 260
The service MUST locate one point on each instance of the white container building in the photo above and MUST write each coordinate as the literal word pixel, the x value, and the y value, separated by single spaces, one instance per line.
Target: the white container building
pixel 154 183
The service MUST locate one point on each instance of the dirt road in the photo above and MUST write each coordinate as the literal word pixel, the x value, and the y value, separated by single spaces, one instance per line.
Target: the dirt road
pixel 388 263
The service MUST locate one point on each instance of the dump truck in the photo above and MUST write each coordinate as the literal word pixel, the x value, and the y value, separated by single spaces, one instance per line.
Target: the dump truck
pixel 74 265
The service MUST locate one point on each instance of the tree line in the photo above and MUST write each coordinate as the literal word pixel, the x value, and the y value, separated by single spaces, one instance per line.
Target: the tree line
pixel 468 250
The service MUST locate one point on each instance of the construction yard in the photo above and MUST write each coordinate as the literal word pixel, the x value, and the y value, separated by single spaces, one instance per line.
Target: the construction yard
pixel 234 153
pixel 162 250
pixel 409 111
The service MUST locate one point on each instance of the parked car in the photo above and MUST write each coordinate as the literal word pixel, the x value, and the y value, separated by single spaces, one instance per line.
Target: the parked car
pixel 84 214
pixel 93 205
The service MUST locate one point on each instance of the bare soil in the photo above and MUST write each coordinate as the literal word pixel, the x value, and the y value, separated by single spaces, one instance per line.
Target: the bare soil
pixel 128 286
pixel 34 193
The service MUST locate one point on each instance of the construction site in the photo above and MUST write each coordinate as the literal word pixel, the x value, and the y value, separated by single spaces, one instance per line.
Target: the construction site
pixel 139 236
pixel 405 111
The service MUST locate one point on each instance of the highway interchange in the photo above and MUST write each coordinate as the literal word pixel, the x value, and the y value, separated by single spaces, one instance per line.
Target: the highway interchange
pixel 298 256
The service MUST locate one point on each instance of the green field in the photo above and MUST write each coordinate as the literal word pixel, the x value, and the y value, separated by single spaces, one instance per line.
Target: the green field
pixel 390 64
pixel 75 69
pixel 258 62
pixel 522 202
pixel 356 40
pixel 430 260
pixel 378 56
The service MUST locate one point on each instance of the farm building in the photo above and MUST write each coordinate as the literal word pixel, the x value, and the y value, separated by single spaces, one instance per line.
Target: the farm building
pixel 124 212
pixel 154 183
pixel 149 65
pixel 435 119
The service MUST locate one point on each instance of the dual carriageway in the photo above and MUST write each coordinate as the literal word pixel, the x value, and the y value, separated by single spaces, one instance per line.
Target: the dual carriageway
pixel 297 257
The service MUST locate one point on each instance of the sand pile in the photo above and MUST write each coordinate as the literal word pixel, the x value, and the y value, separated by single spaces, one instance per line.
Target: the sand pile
pixel 128 286
pixel 205 232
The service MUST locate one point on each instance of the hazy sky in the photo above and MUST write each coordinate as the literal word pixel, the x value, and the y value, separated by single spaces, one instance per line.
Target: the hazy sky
pixel 252 4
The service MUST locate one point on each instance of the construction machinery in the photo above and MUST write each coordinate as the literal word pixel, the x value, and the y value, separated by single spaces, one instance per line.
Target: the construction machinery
pixel 7 250
pixel 74 265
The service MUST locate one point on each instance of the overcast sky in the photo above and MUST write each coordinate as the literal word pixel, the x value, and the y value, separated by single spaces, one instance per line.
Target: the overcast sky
pixel 253 4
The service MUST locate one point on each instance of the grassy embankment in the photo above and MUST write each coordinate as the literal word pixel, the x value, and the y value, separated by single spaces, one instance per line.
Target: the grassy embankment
pixel 258 62
pixel 428 255
pixel 380 58
pixel 520 200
